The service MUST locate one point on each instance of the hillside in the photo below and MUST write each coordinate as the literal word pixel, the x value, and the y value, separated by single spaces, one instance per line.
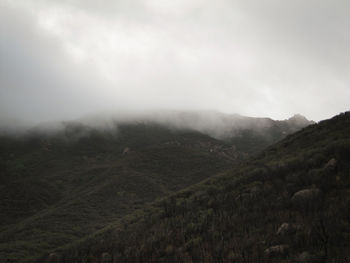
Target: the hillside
pixel 59 185
pixel 247 134
pixel 60 188
pixel 288 204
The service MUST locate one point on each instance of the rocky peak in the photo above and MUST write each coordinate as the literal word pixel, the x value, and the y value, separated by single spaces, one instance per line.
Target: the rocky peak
pixel 299 120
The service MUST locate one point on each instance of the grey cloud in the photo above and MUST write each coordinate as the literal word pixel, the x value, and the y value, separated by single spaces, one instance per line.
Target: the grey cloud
pixel 259 58
pixel 38 80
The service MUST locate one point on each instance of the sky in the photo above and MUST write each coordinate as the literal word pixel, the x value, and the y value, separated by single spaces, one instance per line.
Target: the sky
pixel 64 59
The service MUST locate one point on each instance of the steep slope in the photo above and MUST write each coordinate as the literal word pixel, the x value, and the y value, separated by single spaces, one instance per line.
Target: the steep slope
pixel 60 187
pixel 62 184
pixel 289 204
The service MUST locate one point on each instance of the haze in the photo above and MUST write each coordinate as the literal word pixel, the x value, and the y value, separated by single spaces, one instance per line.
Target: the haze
pixel 62 60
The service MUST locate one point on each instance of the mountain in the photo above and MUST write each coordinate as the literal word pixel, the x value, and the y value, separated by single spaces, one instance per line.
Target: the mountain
pixel 59 184
pixel 290 203
pixel 247 134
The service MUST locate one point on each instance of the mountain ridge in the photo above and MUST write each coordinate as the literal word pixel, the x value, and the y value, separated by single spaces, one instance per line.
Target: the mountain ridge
pixel 279 206
pixel 61 185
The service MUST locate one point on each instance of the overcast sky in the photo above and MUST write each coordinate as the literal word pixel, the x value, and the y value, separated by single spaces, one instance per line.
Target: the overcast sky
pixel 63 59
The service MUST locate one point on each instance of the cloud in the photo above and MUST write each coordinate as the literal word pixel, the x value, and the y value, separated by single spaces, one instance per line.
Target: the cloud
pixel 65 59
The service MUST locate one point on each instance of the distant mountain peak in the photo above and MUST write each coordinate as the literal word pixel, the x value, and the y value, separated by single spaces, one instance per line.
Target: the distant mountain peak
pixel 299 120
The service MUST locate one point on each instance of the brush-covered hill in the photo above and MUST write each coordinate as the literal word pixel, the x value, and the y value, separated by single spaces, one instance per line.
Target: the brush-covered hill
pixel 247 134
pixel 58 185
pixel 57 188
pixel 291 203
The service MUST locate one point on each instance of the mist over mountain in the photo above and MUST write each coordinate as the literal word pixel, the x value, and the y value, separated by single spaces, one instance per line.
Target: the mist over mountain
pixel 174 131
pixel 247 134
pixel 95 170
pixel 213 123
pixel 288 204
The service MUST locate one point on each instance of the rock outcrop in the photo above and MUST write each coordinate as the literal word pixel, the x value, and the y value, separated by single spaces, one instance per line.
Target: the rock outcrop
pixel 279 250
pixel 286 229
pixel 331 164
pixel 306 196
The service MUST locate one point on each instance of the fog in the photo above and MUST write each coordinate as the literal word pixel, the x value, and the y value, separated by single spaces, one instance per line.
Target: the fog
pixel 67 60
pixel 224 127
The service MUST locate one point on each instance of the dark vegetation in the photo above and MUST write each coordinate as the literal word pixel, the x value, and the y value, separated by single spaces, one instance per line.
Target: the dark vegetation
pixel 60 187
pixel 291 203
